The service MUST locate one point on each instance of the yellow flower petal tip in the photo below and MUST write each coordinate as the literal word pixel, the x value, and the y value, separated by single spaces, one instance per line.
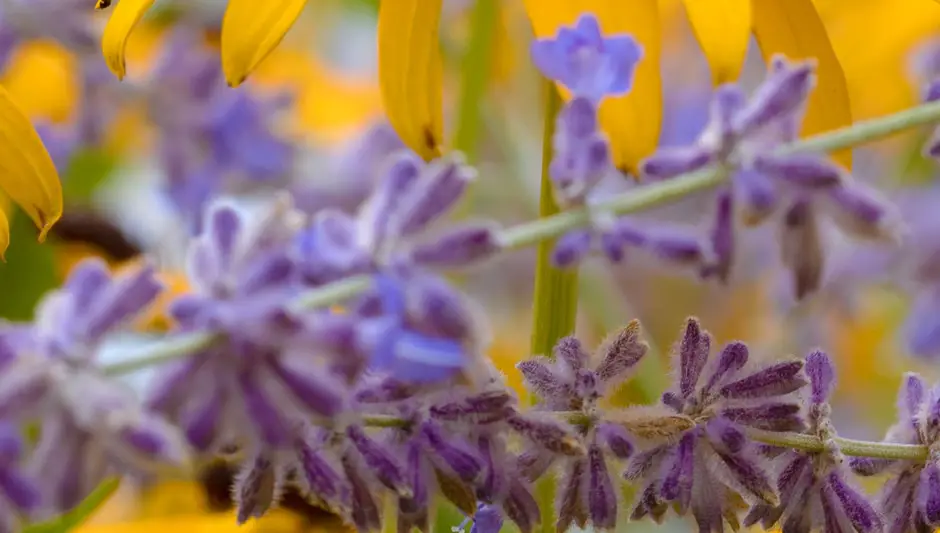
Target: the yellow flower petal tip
pixel 123 19
pixel 250 32
pixel 102 4
pixel 27 174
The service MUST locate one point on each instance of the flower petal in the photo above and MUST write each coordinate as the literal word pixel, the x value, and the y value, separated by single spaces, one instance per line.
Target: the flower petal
pixel 723 30
pixel 251 30
pixel 632 121
pixel 125 16
pixel 29 177
pixel 795 29
pixel 410 72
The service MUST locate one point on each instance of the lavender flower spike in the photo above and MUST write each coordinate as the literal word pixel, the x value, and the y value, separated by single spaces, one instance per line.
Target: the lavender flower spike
pixel 589 64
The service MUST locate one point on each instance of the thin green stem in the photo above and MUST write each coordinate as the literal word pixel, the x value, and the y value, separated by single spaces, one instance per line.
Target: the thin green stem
pixel 858 448
pixel 551 227
pixel 475 75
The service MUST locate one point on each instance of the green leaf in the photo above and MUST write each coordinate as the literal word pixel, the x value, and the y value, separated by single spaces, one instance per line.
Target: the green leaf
pixel 87 170
pixel 81 513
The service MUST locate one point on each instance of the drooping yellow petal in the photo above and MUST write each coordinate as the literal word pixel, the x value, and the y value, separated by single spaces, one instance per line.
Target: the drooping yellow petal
pixel 793 28
pixel 723 29
pixel 411 72
pixel 27 174
pixel 125 16
pixel 632 121
pixel 4 226
pixel 42 77
pixel 251 30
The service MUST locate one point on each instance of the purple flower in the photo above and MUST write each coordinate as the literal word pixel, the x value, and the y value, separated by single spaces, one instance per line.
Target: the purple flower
pixel 573 382
pixel 586 62
pixel 581 156
pixel 745 136
pixel 697 456
pixel 19 493
pixel 910 498
pixel 815 489
pixel 391 228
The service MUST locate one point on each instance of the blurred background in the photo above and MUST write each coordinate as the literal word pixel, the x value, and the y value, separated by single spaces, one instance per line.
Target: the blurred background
pixel 140 158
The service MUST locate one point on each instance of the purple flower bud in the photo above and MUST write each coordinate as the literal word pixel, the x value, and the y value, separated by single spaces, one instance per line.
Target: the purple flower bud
pixel 756 194
pixel 867 466
pixel 413 512
pixel 649 504
pixel 548 434
pixel 676 246
pixel 859 512
pixel 932 146
pixel 693 352
pixel 22 492
pixel 750 476
pixel 581 154
pixel 612 246
pixel 542 381
pixel 385 467
pixel 725 106
pixel 806 171
pixel 520 506
pixel 673 400
pixel 481 408
pixel 459 247
pixel 571 352
pixel 487 519
pixel 437 308
pixel 321 477
pixel 572 247
pixel 11 447
pixel 932 92
pixel 677 484
pixel 617 440
pixel 912 395
pixel 201 421
pixel 572 496
pixel 775 380
pixel 311 387
pixel 327 248
pixel 770 416
pixel 644 462
pixel 365 510
pixel 533 464
pixel 399 178
pixel 725 434
pixel 23 384
pixel 264 414
pixel 801 249
pixel 151 439
pixel 722 239
pixel 622 351
pixel 434 194
pixel 589 64
pixel 733 357
pixel 457 457
pixel 127 295
pixel 267 271
pixel 861 211
pixel 783 93
pixel 822 376
pixel 257 488
pixel 671 162
pixel 601 497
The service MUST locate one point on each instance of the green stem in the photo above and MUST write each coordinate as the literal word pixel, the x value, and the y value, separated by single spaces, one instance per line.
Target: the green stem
pixel 551 227
pixel 475 72
pixel 858 448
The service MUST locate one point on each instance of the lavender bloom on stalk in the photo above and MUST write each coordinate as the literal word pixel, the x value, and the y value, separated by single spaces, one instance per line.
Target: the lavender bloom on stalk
pixel 697 456
pixel 745 135
pixel 815 488
pixel 89 427
pixel 586 492
pixel 390 228
pixel 909 500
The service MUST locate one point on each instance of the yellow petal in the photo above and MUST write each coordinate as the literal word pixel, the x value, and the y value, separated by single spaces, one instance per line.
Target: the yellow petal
pixel 632 121
pixel 125 16
pixel 27 174
pixel 411 72
pixel 4 228
pixel 723 29
pixel 251 30
pixel 793 28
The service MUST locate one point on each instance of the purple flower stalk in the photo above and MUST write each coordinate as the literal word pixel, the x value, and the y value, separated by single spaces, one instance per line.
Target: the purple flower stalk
pixel 19 493
pixel 743 137
pixel 815 488
pixel 910 499
pixel 697 456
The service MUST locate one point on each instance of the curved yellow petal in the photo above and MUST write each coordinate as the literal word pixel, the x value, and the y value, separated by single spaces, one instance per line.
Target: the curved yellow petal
pixel 126 15
pixel 27 174
pixel 411 72
pixel 4 229
pixel 793 28
pixel 251 30
pixel 723 29
pixel 632 121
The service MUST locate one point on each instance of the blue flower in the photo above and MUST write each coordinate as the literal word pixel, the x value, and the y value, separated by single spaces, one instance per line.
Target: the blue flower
pixel 586 62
